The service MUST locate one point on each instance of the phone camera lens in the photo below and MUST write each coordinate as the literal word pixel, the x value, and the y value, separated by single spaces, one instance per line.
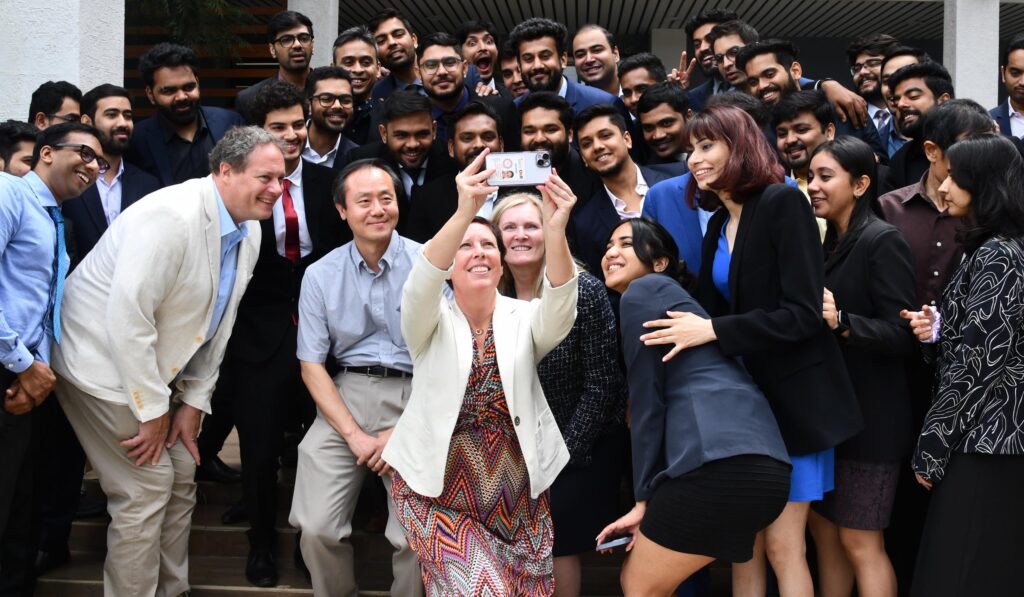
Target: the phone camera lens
pixel 544 159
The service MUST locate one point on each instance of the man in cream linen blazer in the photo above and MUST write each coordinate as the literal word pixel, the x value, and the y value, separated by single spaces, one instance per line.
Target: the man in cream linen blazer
pixel 145 321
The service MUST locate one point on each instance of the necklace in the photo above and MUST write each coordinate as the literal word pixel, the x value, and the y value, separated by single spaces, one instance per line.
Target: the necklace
pixel 478 332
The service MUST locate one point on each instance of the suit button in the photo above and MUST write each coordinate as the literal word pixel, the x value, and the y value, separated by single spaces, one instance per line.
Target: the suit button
pixel 516 421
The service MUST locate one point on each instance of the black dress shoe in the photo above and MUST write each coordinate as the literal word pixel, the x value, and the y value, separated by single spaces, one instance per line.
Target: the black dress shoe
pixel 48 560
pixel 214 469
pixel 235 514
pixel 260 569
pixel 91 505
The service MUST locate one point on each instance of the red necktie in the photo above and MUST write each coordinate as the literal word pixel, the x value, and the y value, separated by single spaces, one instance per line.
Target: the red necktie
pixel 291 224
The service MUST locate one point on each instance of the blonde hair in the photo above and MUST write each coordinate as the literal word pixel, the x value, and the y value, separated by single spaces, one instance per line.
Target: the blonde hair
pixel 507 284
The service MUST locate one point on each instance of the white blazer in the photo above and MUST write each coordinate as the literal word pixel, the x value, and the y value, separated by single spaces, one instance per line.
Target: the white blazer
pixel 136 311
pixel 441 344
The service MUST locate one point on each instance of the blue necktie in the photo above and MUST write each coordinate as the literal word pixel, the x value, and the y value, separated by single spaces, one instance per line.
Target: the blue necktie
pixel 61 263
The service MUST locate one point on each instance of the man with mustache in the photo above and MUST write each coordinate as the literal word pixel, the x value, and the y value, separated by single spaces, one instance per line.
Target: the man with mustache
pixel 290 43
pixel 396 47
pixel 636 74
pixel 866 56
pixel 697 29
pixel 17 140
pixel 174 146
pixel 802 121
pixel 663 111
pixel 355 50
pixel 595 55
pixel 478 40
pixel 916 89
pixel 329 91
pixel 1010 115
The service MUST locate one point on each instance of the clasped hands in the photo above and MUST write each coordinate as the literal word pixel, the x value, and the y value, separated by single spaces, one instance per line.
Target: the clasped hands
pixel 29 390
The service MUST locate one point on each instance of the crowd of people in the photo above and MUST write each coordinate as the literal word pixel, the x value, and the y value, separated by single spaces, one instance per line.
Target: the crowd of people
pixel 787 315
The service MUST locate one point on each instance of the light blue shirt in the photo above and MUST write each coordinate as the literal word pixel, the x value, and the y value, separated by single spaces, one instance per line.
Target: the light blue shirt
pixel 28 242
pixel 231 236
pixel 353 313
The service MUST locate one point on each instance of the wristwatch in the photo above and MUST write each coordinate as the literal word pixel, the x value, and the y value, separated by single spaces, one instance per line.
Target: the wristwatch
pixel 843 323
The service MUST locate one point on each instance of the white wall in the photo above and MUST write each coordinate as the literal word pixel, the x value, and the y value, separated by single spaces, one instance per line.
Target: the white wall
pixel 324 15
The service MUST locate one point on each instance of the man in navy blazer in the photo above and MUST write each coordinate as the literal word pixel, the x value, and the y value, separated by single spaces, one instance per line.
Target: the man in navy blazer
pixel 174 145
pixel 697 29
pixel 1010 114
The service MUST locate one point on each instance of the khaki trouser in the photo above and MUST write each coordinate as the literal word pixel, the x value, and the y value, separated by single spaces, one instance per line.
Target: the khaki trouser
pixel 150 506
pixel 327 485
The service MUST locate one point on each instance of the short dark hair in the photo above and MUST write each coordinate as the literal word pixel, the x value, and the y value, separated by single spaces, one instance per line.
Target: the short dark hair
pixel 549 100
pixel 877 44
pixel 439 38
pixel 403 103
pixel 946 123
pixel 645 60
pixel 357 33
pixel 463 31
pixel 665 92
pixel 608 36
pixel 598 111
pixel 897 51
pixel 386 14
pixel 990 168
pixel 785 52
pixel 716 16
pixel 54 135
pixel 48 97
pixel 507 51
pixel 324 72
pixel 92 97
pixel 793 104
pixel 1016 43
pixel 536 28
pixel 276 95
pixel 752 163
pixel 476 108
pixel 166 55
pixel 12 133
pixel 284 20
pixel 754 107
pixel 735 27
pixel 935 76
pixel 341 181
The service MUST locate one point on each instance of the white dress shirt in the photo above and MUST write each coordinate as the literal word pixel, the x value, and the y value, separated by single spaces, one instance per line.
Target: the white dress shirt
pixel 620 205
pixel 305 242
pixel 110 194
pixel 408 183
pixel 1016 121
pixel 326 159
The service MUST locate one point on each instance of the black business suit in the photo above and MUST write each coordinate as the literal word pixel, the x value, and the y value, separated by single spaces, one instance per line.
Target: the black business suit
pixel 502 106
pixel 776 283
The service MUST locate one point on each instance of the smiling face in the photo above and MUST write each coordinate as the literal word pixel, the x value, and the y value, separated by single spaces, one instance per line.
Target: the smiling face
pixel 664 131
pixel 472 135
pixel 541 64
pixel 397 45
pixel 958 199
pixel 512 78
pixel 702 50
pixel 888 68
pixel 114 122
pixel 370 206
pixel 868 79
pixel 360 60
pixel 913 100
pixel 409 138
pixel 542 130
pixel 634 83
pixel 594 57
pixel 604 148
pixel 295 56
pixel 725 50
pixel 768 80
pixel 288 125
pixel 477 263
pixel 175 93
pixel 707 161
pixel 64 171
pixel 523 234
pixel 832 190
pixel 250 193
pixel 332 119
pixel 481 50
pixel 443 83
pixel 620 265
pixel 796 140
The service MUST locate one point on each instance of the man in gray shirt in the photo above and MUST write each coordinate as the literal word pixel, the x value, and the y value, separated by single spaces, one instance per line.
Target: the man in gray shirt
pixel 349 312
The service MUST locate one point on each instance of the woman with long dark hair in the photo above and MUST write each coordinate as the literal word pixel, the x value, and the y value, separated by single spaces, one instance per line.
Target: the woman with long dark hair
pixel 971 450
pixel 762 281
pixel 869 279
pixel 709 465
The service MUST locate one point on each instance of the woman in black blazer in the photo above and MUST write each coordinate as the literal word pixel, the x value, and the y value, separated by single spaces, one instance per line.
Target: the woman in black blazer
pixel 869 279
pixel 762 281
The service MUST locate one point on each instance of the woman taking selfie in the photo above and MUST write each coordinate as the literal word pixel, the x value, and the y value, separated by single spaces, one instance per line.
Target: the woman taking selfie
pixel 477 446
pixel 709 465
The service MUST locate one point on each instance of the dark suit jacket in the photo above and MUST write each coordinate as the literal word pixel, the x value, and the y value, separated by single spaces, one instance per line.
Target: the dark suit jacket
pixel 581 97
pixel 871 276
pixel 776 282
pixel 243 101
pixel 361 127
pixel 699 95
pixel 271 299
pixel 906 167
pixel 86 211
pixel 1001 114
pixel 149 152
pixel 593 223
pixel 699 407
pixel 503 106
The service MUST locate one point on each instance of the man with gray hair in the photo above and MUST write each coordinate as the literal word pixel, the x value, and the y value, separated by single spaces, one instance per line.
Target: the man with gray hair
pixel 145 321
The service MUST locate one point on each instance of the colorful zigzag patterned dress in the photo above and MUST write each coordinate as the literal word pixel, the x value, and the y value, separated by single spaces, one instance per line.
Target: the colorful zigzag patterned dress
pixel 483 535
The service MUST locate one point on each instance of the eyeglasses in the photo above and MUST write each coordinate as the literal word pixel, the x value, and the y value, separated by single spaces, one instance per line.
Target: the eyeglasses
pixel 873 63
pixel 287 40
pixel 65 117
pixel 731 53
pixel 327 100
pixel 88 154
pixel 449 64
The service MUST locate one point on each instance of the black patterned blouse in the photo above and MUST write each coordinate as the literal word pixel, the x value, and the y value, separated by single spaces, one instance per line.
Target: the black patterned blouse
pixel 979 400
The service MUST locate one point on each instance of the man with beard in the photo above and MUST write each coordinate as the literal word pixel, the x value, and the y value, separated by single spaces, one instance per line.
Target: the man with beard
pixel 916 89
pixel 54 102
pixel 772 72
pixel 546 125
pixel 109 109
pixel 329 90
pixel 697 29
pixel 17 140
pixel 895 59
pixel 1010 115
pixel 174 146
pixel 407 146
pixel 663 111
pixel 355 50
pixel 636 74
pixel 396 48
pixel 290 42
pixel 595 55
pixel 866 56
pixel 444 70
pixel 511 76
pixel 475 127
pixel 802 121
pixel 478 40
pixel 604 145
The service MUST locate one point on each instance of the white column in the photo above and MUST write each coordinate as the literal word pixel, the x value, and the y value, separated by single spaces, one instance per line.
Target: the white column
pixel 324 14
pixel 79 41
pixel 970 48
pixel 667 44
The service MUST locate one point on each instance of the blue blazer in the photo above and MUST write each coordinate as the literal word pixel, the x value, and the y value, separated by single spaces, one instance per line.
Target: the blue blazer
pixel 150 153
pixel 1001 114
pixel 700 94
pixel 88 222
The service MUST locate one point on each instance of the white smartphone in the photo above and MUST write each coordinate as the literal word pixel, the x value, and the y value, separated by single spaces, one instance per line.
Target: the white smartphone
pixel 519 168
pixel 614 543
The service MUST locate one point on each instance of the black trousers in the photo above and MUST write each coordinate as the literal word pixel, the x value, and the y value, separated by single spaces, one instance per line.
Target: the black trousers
pixel 17 532
pixel 60 468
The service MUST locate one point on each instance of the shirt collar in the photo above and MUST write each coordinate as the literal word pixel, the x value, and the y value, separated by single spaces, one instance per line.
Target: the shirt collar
pixel 117 177
pixel 1012 111
pixel 641 188
pixel 310 150
pixel 873 109
pixel 227 225
pixel 388 258
pixel 42 192
pixel 170 133
pixel 296 176
pixel 564 88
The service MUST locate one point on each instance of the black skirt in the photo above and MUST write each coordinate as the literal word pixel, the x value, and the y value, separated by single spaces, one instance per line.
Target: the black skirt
pixel 973 541
pixel 717 509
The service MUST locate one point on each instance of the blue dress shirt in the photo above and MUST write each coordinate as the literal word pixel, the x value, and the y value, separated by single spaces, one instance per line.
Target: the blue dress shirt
pixel 231 236
pixel 28 245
